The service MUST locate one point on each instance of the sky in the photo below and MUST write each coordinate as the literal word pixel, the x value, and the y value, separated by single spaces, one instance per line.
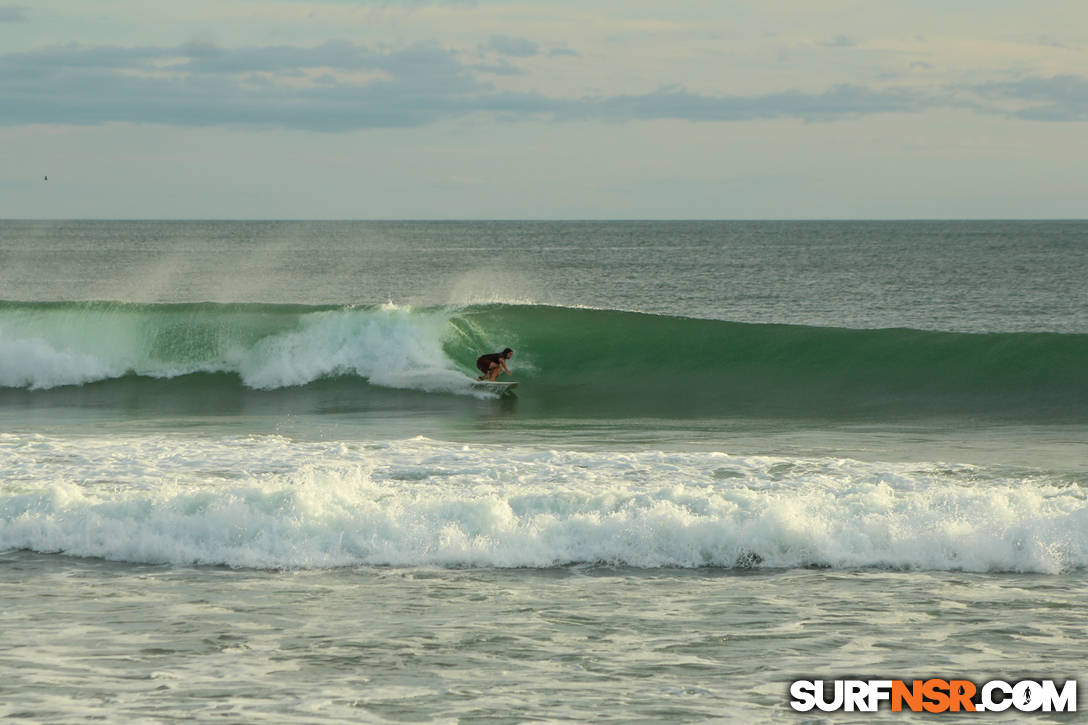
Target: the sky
pixel 633 109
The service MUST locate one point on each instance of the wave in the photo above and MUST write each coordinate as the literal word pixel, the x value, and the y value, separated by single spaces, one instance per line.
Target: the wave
pixel 267 502
pixel 266 347
pixel 571 361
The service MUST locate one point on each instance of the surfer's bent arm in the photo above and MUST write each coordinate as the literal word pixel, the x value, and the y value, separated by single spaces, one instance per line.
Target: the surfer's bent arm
pixel 503 363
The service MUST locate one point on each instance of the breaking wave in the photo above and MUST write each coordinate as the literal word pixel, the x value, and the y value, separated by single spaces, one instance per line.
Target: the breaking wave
pixel 571 361
pixel 269 502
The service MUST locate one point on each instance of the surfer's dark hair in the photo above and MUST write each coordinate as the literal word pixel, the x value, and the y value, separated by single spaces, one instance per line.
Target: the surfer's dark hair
pixel 506 351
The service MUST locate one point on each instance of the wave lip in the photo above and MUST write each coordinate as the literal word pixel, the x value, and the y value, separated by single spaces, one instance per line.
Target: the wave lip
pixel 263 502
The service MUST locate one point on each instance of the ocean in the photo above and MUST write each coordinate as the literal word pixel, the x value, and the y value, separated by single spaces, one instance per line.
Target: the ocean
pixel 245 476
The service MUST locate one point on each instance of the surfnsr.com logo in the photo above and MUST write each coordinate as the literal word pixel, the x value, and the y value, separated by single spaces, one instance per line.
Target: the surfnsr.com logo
pixel 933 695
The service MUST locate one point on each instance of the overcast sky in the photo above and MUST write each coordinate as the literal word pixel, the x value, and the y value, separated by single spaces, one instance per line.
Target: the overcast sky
pixel 354 109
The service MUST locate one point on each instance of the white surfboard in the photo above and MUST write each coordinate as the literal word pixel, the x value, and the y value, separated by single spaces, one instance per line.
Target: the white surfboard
pixel 496 387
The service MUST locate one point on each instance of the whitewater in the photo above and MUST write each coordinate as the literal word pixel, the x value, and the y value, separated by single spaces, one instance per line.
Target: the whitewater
pixel 244 474
pixel 269 502
pixel 46 346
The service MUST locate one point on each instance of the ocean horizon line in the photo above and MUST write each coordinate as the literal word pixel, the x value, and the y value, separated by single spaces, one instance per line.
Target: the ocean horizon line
pixel 557 220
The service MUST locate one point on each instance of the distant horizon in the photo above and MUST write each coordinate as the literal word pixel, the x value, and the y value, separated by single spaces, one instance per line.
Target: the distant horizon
pixel 512 220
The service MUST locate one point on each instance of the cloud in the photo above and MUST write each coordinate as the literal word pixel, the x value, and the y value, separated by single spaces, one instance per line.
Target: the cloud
pixel 338 86
pixel 841 101
pixel 840 41
pixel 1057 98
pixel 282 86
pixel 502 68
pixel 12 14
pixel 516 47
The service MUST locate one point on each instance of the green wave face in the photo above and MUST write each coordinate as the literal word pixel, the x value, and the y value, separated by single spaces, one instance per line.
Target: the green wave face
pixel 571 362
pixel 644 364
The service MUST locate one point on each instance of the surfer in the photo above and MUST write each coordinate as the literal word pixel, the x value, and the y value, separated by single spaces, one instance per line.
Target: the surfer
pixel 491 364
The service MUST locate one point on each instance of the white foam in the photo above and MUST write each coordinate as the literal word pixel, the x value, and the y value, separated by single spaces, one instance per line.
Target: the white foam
pixel 391 346
pixel 271 502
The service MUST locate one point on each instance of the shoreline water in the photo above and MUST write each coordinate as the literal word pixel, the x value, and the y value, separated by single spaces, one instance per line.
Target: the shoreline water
pixel 151 643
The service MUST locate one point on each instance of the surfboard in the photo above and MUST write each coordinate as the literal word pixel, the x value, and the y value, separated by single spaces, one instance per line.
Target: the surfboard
pixel 497 388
